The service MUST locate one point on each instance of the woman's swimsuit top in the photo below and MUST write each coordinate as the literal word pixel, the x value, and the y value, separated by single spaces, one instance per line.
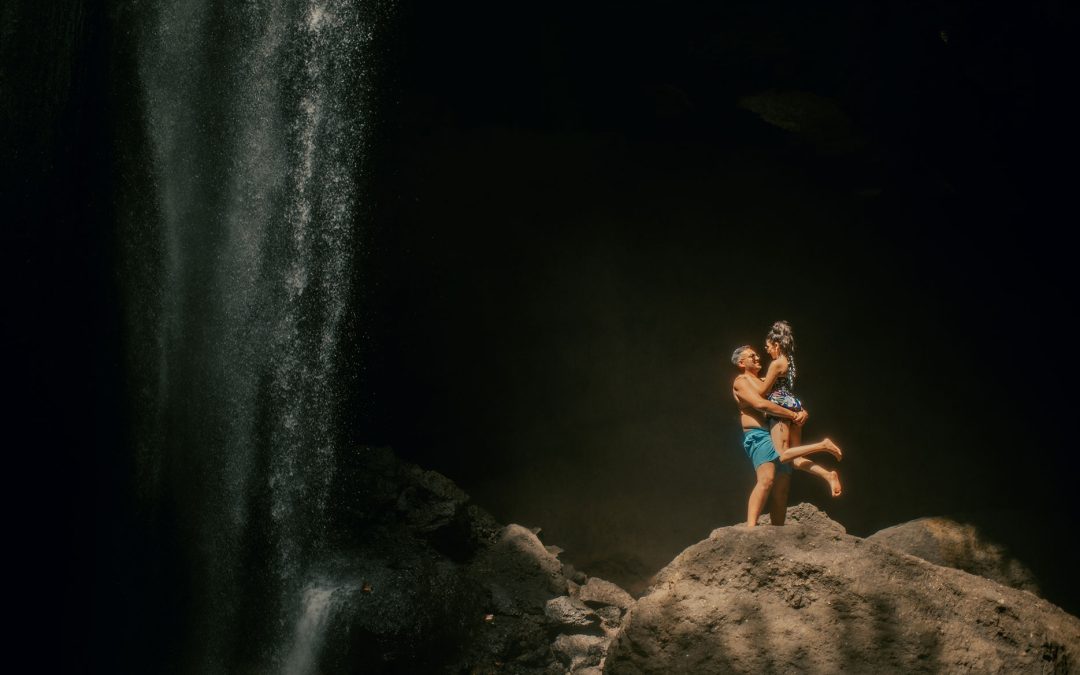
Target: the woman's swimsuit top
pixel 781 393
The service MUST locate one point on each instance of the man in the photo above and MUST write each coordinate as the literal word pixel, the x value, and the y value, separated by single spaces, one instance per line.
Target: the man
pixel 773 468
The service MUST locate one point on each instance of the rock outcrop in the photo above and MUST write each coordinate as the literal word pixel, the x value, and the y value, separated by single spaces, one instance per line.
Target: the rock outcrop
pixel 810 598
pixel 944 541
pixel 426 581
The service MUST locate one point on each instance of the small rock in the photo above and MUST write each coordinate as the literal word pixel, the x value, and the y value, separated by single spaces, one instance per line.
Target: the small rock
pixel 597 592
pixel 570 614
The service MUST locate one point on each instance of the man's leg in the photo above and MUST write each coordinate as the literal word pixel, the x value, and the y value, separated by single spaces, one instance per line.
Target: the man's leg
pixel 778 504
pixel 766 472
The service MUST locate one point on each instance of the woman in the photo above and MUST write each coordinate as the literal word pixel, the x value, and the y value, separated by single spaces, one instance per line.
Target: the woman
pixel 779 382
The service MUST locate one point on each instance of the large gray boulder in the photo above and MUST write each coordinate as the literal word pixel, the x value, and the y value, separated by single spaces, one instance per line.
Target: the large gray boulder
pixel 809 598
pixel 520 572
pixel 947 542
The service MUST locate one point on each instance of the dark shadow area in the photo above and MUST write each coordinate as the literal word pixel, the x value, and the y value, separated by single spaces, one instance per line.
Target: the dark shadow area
pixel 590 208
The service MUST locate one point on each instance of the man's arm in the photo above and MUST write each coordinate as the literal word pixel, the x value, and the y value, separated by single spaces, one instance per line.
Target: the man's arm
pixel 746 391
pixel 765 384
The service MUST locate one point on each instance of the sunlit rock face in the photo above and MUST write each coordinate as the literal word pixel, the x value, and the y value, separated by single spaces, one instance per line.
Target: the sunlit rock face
pixel 809 598
pixel 947 542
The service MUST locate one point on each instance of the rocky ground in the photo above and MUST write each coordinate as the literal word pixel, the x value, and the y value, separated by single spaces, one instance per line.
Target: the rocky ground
pixel 809 598
pixel 425 581
pixel 428 582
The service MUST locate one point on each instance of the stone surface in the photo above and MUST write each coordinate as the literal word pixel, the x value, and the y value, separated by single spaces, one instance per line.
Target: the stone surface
pixel 611 616
pixel 944 541
pixel 520 573
pixel 579 651
pixel 571 615
pixel 597 592
pixel 808 598
pixel 806 514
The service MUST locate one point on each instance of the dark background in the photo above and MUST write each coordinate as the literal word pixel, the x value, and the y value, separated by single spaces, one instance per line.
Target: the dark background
pixel 583 215
pixel 578 214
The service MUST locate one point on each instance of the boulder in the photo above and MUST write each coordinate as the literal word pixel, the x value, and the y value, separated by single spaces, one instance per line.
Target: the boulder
pixel 808 598
pixel 944 541
pixel 520 573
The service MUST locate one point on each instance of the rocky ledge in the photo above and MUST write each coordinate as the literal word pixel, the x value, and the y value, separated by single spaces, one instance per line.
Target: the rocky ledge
pixel 809 598
pixel 425 581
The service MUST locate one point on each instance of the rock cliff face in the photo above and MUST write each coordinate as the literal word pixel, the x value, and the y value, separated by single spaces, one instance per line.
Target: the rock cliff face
pixel 809 598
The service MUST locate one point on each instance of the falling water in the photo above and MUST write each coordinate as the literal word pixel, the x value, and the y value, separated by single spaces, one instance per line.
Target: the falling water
pixel 257 117
pixel 318 606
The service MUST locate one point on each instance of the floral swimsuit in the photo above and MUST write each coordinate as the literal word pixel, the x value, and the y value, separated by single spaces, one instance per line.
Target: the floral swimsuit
pixel 781 393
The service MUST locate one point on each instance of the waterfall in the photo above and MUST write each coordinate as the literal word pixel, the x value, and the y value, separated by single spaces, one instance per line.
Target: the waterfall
pixel 318 606
pixel 241 268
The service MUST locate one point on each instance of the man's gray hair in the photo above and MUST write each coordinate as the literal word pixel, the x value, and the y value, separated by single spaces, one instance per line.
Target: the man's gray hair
pixel 737 354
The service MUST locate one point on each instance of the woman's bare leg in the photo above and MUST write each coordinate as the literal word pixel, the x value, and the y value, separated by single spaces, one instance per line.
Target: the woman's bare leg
pixel 780 431
pixel 825 445
pixel 812 467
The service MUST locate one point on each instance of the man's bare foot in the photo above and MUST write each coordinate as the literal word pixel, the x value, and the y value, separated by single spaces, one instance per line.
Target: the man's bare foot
pixel 833 448
pixel 834 483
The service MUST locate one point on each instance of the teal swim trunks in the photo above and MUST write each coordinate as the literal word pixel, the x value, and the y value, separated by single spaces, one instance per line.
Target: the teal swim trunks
pixel 760 449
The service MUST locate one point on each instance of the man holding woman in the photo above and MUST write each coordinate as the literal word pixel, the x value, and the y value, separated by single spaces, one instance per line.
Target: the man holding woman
pixel 774 460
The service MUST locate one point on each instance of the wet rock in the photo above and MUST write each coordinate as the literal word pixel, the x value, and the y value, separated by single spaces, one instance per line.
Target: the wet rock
pixel 808 598
pixel 377 604
pixel 507 644
pixel 944 541
pixel 597 592
pixel 429 500
pixel 579 651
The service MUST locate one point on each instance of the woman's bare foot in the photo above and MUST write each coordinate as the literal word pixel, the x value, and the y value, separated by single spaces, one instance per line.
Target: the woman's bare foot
pixel 833 448
pixel 834 483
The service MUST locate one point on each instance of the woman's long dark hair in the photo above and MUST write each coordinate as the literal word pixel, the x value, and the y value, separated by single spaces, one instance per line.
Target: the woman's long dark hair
pixel 781 334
